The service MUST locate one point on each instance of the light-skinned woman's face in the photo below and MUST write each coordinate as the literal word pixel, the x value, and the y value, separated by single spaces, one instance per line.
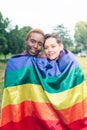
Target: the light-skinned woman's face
pixel 52 48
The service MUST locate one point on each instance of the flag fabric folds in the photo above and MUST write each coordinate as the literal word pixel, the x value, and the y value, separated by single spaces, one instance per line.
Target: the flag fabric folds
pixel 41 94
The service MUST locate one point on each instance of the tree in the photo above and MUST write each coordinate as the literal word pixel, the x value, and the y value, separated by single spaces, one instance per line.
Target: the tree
pixel 16 39
pixel 3 40
pixel 81 34
pixel 22 33
pixel 3 45
pixel 11 39
pixel 64 34
pixel 3 25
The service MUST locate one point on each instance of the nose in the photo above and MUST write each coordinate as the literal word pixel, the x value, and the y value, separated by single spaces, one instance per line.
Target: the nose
pixel 49 49
pixel 36 45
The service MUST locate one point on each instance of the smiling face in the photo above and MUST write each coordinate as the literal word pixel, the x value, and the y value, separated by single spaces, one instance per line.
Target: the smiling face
pixel 52 48
pixel 35 43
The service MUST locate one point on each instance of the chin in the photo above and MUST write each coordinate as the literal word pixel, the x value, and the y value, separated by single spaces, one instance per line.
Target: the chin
pixel 33 53
pixel 51 58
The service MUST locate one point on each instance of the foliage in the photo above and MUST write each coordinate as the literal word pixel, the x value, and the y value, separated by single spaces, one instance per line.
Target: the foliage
pixel 22 33
pixel 16 39
pixel 81 34
pixel 64 34
pixel 3 24
pixel 76 49
pixel 3 41
pixel 11 39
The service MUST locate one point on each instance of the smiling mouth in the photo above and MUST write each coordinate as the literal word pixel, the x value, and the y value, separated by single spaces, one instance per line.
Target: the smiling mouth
pixel 51 54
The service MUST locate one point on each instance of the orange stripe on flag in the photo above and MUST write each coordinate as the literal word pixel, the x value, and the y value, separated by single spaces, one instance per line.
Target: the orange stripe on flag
pixel 38 110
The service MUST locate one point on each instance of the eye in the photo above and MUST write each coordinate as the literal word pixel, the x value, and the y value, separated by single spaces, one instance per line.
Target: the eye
pixel 53 46
pixel 40 43
pixel 32 40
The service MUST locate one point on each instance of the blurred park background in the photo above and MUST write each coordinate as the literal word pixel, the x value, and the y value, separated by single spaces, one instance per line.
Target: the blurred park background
pixel 12 42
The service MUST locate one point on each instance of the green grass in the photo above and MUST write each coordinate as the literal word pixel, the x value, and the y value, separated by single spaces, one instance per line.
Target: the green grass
pixel 2 69
pixel 83 63
pixel 1 90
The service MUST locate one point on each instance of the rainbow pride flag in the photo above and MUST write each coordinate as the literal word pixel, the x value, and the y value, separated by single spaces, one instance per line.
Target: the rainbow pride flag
pixel 44 95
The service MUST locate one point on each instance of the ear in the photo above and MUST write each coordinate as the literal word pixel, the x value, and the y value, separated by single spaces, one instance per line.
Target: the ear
pixel 61 46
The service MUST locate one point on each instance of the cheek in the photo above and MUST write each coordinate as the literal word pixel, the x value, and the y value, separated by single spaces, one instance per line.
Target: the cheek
pixel 40 48
pixel 58 49
pixel 45 51
pixel 29 44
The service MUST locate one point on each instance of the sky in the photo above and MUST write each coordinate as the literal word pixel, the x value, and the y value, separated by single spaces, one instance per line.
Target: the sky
pixel 44 14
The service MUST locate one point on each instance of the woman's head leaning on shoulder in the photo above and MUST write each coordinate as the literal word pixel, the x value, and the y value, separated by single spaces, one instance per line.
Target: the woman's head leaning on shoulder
pixel 53 46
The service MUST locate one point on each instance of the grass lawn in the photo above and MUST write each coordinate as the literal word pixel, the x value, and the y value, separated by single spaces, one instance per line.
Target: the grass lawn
pixel 2 68
pixel 83 63
pixel 1 91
